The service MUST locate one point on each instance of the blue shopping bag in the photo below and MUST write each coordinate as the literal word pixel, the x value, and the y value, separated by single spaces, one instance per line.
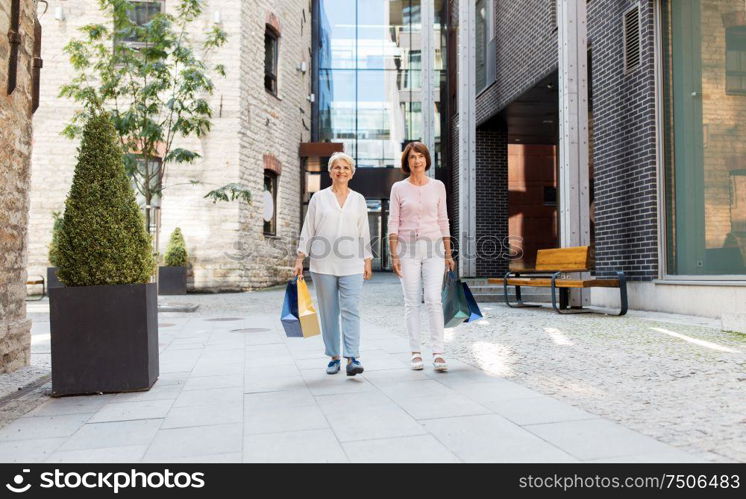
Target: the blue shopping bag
pixel 289 317
pixel 474 312
pixel 299 317
pixel 455 306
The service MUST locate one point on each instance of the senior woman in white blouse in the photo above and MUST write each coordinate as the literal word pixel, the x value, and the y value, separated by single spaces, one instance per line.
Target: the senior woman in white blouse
pixel 336 235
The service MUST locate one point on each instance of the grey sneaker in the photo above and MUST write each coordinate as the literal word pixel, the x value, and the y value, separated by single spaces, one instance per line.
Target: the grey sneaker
pixel 333 367
pixel 354 367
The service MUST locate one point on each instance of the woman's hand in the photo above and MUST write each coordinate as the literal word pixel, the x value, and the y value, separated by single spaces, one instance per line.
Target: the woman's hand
pixel 298 268
pixel 368 270
pixel 450 263
pixel 396 265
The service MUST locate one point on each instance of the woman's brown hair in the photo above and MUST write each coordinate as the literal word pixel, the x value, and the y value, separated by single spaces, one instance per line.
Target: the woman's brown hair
pixel 417 147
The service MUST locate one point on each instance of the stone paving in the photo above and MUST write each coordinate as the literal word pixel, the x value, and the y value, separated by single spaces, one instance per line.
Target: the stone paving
pixel 525 385
pixel 679 379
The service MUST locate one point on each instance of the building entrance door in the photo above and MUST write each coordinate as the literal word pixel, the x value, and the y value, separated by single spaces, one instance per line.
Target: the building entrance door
pixel 378 221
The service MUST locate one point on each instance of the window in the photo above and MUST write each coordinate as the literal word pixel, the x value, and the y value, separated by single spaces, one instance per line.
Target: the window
pixel 140 15
pixel 36 65
pixel 735 60
pixel 271 44
pixel 14 39
pixel 372 91
pixel 270 203
pixel 705 143
pixel 485 48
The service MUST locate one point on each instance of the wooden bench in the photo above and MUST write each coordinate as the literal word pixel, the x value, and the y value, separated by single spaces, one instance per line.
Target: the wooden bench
pixel 40 280
pixel 550 265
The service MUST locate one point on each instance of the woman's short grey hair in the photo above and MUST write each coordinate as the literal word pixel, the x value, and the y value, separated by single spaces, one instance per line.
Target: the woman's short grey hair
pixel 344 157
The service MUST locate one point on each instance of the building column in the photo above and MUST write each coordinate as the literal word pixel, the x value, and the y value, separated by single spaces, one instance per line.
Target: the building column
pixel 574 194
pixel 427 14
pixel 467 141
pixel 492 202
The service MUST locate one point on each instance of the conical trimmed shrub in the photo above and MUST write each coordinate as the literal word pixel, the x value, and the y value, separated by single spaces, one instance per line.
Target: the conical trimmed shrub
pixel 103 238
pixel 176 253
pixel 54 245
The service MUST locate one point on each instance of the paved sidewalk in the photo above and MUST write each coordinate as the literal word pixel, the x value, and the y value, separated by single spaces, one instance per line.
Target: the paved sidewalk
pixel 233 388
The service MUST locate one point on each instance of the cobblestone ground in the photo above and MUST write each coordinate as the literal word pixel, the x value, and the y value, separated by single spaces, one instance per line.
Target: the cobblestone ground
pixel 675 378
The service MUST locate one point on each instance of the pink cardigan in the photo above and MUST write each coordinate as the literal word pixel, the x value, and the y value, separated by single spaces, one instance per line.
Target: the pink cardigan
pixel 418 212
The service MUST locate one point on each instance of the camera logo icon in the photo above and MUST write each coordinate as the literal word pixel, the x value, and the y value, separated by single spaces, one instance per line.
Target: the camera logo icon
pixel 18 481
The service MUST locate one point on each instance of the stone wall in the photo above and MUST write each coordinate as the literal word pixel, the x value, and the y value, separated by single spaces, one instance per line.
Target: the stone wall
pixel 273 126
pixel 225 241
pixel 15 157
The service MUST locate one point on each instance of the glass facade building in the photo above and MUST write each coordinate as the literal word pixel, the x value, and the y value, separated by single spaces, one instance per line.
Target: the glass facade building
pixel 378 68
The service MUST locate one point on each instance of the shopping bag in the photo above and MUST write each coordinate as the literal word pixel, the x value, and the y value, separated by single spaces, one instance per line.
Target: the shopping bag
pixel 289 317
pixel 309 319
pixel 474 312
pixel 455 307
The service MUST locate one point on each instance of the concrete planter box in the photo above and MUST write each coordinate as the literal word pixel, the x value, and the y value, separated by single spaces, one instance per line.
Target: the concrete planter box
pixel 52 281
pixel 172 280
pixel 104 338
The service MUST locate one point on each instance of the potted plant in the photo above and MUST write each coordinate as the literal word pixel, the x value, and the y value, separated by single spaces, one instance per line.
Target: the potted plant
pixel 104 322
pixel 52 280
pixel 172 277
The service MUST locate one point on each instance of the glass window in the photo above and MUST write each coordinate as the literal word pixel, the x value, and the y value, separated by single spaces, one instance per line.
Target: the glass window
pixel 481 44
pixel 270 203
pixel 735 60
pixel 705 144
pixel 370 77
pixel 270 60
pixel 141 13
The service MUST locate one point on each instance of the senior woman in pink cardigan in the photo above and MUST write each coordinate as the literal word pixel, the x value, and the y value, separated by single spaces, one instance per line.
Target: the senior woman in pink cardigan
pixel 420 244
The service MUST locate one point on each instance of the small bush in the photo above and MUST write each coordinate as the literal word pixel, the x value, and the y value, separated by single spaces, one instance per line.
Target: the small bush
pixel 176 253
pixel 54 245
pixel 103 238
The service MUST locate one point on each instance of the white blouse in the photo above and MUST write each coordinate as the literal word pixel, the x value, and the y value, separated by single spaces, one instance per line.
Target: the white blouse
pixel 336 238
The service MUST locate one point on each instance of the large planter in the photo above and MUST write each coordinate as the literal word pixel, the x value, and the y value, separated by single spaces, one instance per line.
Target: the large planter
pixel 172 280
pixel 52 281
pixel 104 338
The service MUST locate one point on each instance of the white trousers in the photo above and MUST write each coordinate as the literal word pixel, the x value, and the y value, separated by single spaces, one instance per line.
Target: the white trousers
pixel 423 265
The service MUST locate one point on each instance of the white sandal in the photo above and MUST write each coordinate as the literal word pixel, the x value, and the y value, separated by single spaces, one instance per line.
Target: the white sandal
pixel 416 365
pixel 440 366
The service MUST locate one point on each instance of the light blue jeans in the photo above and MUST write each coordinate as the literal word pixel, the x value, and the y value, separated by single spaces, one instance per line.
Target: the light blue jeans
pixel 339 295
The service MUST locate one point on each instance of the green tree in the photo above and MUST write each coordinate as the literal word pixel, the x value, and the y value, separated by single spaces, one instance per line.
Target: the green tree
pixel 103 238
pixel 154 84
pixel 176 253
pixel 54 245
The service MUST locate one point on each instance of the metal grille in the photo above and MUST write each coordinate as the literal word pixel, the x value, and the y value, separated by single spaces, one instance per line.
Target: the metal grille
pixel 632 40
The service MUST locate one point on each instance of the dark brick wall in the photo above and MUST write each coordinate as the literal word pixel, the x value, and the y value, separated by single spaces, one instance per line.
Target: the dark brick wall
pixel 491 201
pixel 623 132
pixel 526 52
pixel 453 198
pixel 452 134
pixel 624 144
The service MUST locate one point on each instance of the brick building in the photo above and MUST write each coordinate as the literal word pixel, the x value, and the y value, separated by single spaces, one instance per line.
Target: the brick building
pixel 19 77
pixel 666 96
pixel 257 127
